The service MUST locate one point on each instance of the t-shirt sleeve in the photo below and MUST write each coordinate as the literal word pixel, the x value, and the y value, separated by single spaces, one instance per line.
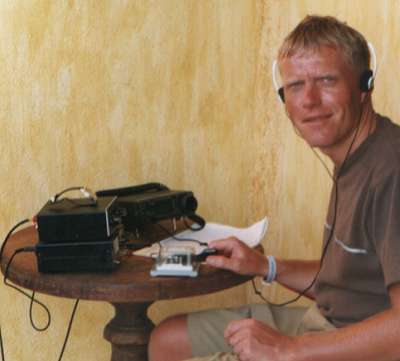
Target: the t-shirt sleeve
pixel 386 225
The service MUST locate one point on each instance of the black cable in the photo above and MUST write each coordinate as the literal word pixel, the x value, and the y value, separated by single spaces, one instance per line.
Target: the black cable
pixel 68 329
pixel 89 198
pixel 10 233
pixel 1 256
pixel 258 292
pixel 2 347
pixel 195 229
pixel 36 328
pixel 56 196
pixel 325 249
pixel 6 239
pixel 199 221
pixel 179 238
pixel 31 297
pixel 323 164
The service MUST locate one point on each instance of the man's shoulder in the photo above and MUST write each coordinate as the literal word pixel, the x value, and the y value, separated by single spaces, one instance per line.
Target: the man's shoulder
pixel 387 142
pixel 388 128
pixel 385 150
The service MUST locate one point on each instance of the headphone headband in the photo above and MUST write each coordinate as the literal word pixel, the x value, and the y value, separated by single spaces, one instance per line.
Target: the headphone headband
pixel 373 58
pixel 274 80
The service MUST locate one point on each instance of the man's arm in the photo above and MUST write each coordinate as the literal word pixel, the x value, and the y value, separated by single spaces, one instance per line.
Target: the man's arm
pixel 297 275
pixel 236 256
pixel 376 338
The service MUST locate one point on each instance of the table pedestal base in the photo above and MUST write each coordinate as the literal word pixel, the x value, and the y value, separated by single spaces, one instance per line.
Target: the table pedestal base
pixel 129 332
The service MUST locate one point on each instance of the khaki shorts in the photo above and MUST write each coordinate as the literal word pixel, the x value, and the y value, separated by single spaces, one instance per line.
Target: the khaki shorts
pixel 206 328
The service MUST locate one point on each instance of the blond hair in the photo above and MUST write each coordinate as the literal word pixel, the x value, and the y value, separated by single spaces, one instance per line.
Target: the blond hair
pixel 316 31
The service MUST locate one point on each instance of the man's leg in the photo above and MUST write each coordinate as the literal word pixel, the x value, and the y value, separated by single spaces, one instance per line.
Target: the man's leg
pixel 200 333
pixel 169 341
pixel 194 335
pixel 220 356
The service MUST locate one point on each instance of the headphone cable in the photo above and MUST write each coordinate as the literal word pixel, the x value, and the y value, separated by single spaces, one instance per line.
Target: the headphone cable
pixel 325 249
pixel 1 346
pixel 68 329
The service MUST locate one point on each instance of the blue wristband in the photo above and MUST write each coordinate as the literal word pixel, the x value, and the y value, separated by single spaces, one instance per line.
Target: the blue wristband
pixel 271 275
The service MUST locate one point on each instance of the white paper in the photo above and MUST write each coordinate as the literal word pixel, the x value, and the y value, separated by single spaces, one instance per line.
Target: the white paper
pixel 212 231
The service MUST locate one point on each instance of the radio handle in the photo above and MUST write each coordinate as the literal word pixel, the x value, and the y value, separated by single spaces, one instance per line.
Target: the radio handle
pixel 126 191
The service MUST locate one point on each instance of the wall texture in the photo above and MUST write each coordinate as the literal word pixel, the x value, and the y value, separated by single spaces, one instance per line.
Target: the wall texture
pixel 115 92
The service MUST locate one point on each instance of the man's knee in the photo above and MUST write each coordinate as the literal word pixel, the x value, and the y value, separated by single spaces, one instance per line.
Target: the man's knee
pixel 169 341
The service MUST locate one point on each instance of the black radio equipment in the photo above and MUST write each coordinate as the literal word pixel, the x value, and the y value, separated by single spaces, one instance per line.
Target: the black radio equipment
pixel 84 234
pixel 152 202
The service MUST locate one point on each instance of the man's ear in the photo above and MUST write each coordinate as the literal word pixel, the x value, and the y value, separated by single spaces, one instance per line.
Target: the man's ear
pixel 365 96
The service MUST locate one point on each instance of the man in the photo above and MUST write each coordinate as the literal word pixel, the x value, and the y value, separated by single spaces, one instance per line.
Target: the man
pixel 357 288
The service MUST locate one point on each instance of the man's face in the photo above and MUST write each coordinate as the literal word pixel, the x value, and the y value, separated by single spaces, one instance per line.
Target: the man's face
pixel 322 97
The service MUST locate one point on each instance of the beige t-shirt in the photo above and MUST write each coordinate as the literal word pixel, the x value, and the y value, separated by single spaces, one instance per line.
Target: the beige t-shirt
pixel 363 256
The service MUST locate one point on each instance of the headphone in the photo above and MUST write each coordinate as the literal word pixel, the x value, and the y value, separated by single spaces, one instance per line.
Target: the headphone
pixel 366 79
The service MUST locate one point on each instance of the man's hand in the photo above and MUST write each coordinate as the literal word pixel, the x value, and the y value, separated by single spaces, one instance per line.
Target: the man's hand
pixel 236 256
pixel 253 340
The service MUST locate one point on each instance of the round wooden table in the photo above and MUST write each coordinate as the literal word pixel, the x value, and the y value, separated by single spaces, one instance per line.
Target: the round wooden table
pixel 129 288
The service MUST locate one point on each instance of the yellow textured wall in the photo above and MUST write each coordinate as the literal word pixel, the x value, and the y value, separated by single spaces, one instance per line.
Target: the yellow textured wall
pixel 111 93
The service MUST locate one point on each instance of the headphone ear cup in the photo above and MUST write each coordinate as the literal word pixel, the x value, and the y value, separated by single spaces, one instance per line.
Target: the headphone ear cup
pixel 367 81
pixel 281 94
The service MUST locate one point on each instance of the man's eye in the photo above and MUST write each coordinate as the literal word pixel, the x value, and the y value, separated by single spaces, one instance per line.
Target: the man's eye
pixel 294 86
pixel 328 80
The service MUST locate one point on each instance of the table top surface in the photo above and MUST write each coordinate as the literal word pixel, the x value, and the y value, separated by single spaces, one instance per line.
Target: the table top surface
pixel 129 282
